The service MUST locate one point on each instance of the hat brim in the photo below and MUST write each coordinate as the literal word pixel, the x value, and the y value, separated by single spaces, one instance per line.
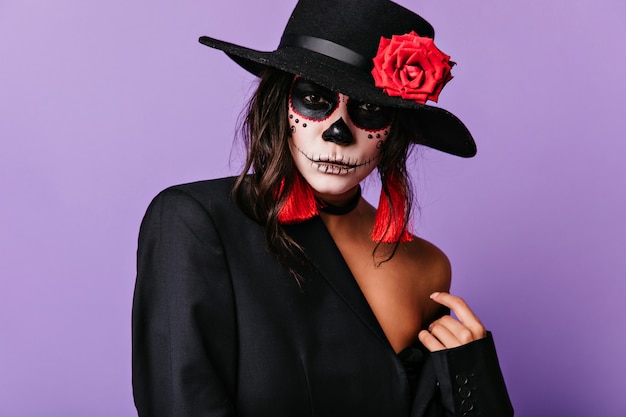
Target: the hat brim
pixel 439 129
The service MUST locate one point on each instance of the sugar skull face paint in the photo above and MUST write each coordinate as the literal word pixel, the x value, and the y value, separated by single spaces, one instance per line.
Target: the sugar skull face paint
pixel 369 116
pixel 335 141
pixel 312 101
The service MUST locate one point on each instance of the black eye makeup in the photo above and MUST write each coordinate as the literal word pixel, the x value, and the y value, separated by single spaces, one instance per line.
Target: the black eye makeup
pixel 369 116
pixel 313 101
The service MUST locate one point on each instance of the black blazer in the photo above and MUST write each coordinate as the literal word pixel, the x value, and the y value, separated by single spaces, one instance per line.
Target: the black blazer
pixel 221 329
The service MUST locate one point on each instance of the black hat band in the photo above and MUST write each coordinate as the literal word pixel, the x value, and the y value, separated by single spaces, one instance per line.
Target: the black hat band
pixel 328 48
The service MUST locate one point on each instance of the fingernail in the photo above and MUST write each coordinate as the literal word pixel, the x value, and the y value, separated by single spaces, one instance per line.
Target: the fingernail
pixel 434 295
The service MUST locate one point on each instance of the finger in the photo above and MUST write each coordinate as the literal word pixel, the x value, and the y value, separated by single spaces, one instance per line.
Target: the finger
pixel 445 336
pixel 462 311
pixel 460 331
pixel 429 341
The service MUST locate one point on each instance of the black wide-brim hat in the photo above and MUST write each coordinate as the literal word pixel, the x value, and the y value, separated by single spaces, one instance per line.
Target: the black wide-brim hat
pixel 333 42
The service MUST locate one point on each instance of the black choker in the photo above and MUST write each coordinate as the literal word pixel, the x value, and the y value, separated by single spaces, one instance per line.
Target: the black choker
pixel 339 210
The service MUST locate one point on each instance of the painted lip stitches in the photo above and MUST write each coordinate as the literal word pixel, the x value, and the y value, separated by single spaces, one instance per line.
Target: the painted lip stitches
pixel 334 165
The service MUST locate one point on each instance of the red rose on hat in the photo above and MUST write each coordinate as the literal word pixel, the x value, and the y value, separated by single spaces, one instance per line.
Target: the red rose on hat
pixel 412 67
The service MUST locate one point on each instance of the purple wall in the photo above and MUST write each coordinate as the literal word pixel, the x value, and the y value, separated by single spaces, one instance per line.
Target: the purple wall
pixel 102 104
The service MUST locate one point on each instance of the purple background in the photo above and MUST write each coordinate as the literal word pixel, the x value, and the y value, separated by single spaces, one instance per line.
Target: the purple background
pixel 102 104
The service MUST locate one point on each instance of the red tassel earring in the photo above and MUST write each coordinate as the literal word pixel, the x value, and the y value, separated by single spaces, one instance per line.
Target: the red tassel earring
pixel 389 222
pixel 300 204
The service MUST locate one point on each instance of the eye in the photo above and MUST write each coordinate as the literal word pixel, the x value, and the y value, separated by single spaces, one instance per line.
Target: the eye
pixel 369 107
pixel 312 101
pixel 369 116
pixel 315 100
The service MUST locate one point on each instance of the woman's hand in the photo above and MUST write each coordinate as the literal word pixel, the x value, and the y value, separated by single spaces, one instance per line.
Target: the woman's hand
pixel 447 332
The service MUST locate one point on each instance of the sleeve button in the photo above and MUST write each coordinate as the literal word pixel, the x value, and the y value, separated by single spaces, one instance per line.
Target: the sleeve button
pixel 467 405
pixel 461 379
pixel 465 392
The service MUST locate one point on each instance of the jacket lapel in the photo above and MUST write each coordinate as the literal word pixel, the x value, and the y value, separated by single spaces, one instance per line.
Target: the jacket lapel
pixel 321 250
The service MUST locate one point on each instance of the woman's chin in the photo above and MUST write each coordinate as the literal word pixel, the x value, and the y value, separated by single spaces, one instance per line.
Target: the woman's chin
pixel 333 186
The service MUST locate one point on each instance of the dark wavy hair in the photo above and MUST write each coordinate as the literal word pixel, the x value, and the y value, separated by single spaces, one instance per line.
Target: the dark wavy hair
pixel 265 132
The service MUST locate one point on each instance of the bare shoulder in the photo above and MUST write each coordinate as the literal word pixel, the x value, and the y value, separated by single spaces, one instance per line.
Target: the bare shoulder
pixel 428 268
pixel 432 264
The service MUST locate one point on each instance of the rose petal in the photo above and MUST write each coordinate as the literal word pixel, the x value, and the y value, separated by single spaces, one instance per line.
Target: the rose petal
pixel 412 78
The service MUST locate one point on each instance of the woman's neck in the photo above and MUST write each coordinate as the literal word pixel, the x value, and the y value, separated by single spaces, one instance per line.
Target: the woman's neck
pixel 340 204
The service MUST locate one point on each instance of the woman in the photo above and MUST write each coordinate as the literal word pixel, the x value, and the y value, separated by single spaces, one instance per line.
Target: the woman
pixel 282 292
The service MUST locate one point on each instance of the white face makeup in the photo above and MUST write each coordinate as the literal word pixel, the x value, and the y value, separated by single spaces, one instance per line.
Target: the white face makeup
pixel 335 141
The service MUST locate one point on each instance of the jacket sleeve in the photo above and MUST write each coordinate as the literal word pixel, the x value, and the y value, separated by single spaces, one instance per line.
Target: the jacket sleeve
pixel 184 334
pixel 470 381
